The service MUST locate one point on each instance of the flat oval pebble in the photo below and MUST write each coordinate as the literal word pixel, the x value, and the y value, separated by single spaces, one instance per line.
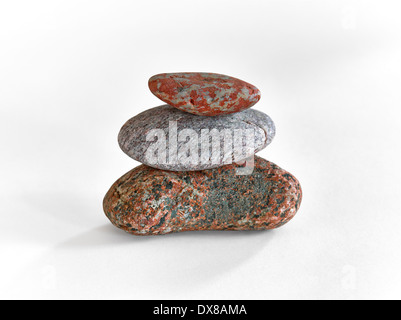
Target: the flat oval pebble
pixel 147 201
pixel 204 94
pixel 169 139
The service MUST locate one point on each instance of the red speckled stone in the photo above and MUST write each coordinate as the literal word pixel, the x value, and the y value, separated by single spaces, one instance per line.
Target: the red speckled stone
pixel 204 94
pixel 148 201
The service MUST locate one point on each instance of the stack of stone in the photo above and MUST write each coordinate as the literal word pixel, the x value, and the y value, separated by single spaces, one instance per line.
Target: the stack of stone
pixel 199 167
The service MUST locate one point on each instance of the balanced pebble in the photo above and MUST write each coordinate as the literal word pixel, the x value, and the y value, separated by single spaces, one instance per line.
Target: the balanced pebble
pixel 148 201
pixel 204 94
pixel 169 139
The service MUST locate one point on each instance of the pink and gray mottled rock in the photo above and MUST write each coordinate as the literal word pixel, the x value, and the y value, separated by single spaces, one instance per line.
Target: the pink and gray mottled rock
pixel 147 201
pixel 169 139
pixel 205 94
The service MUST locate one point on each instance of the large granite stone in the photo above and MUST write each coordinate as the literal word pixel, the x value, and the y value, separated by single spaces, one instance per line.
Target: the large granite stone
pixel 169 139
pixel 205 94
pixel 147 201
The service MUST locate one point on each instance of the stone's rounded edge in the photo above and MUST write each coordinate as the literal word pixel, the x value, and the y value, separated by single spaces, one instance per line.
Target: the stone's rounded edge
pixel 122 137
pixel 126 136
pixel 118 200
pixel 153 87
pixel 127 209
pixel 295 196
pixel 265 123
pixel 168 87
pixel 273 130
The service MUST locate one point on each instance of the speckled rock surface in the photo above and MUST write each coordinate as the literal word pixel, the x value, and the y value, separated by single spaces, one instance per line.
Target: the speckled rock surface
pixel 138 139
pixel 205 94
pixel 147 201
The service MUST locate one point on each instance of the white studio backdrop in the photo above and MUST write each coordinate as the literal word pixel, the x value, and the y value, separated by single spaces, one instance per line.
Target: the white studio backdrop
pixel 71 74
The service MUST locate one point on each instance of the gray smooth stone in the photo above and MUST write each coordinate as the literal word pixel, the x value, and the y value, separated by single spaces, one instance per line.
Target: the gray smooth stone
pixel 159 138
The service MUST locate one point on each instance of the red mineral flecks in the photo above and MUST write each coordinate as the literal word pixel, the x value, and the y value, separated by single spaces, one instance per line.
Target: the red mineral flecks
pixel 148 201
pixel 204 94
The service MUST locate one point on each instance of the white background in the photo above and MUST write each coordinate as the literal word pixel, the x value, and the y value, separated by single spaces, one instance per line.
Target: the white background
pixel 71 74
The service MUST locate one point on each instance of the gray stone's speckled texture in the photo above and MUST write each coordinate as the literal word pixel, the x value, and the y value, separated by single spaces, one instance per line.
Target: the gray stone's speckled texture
pixel 137 138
